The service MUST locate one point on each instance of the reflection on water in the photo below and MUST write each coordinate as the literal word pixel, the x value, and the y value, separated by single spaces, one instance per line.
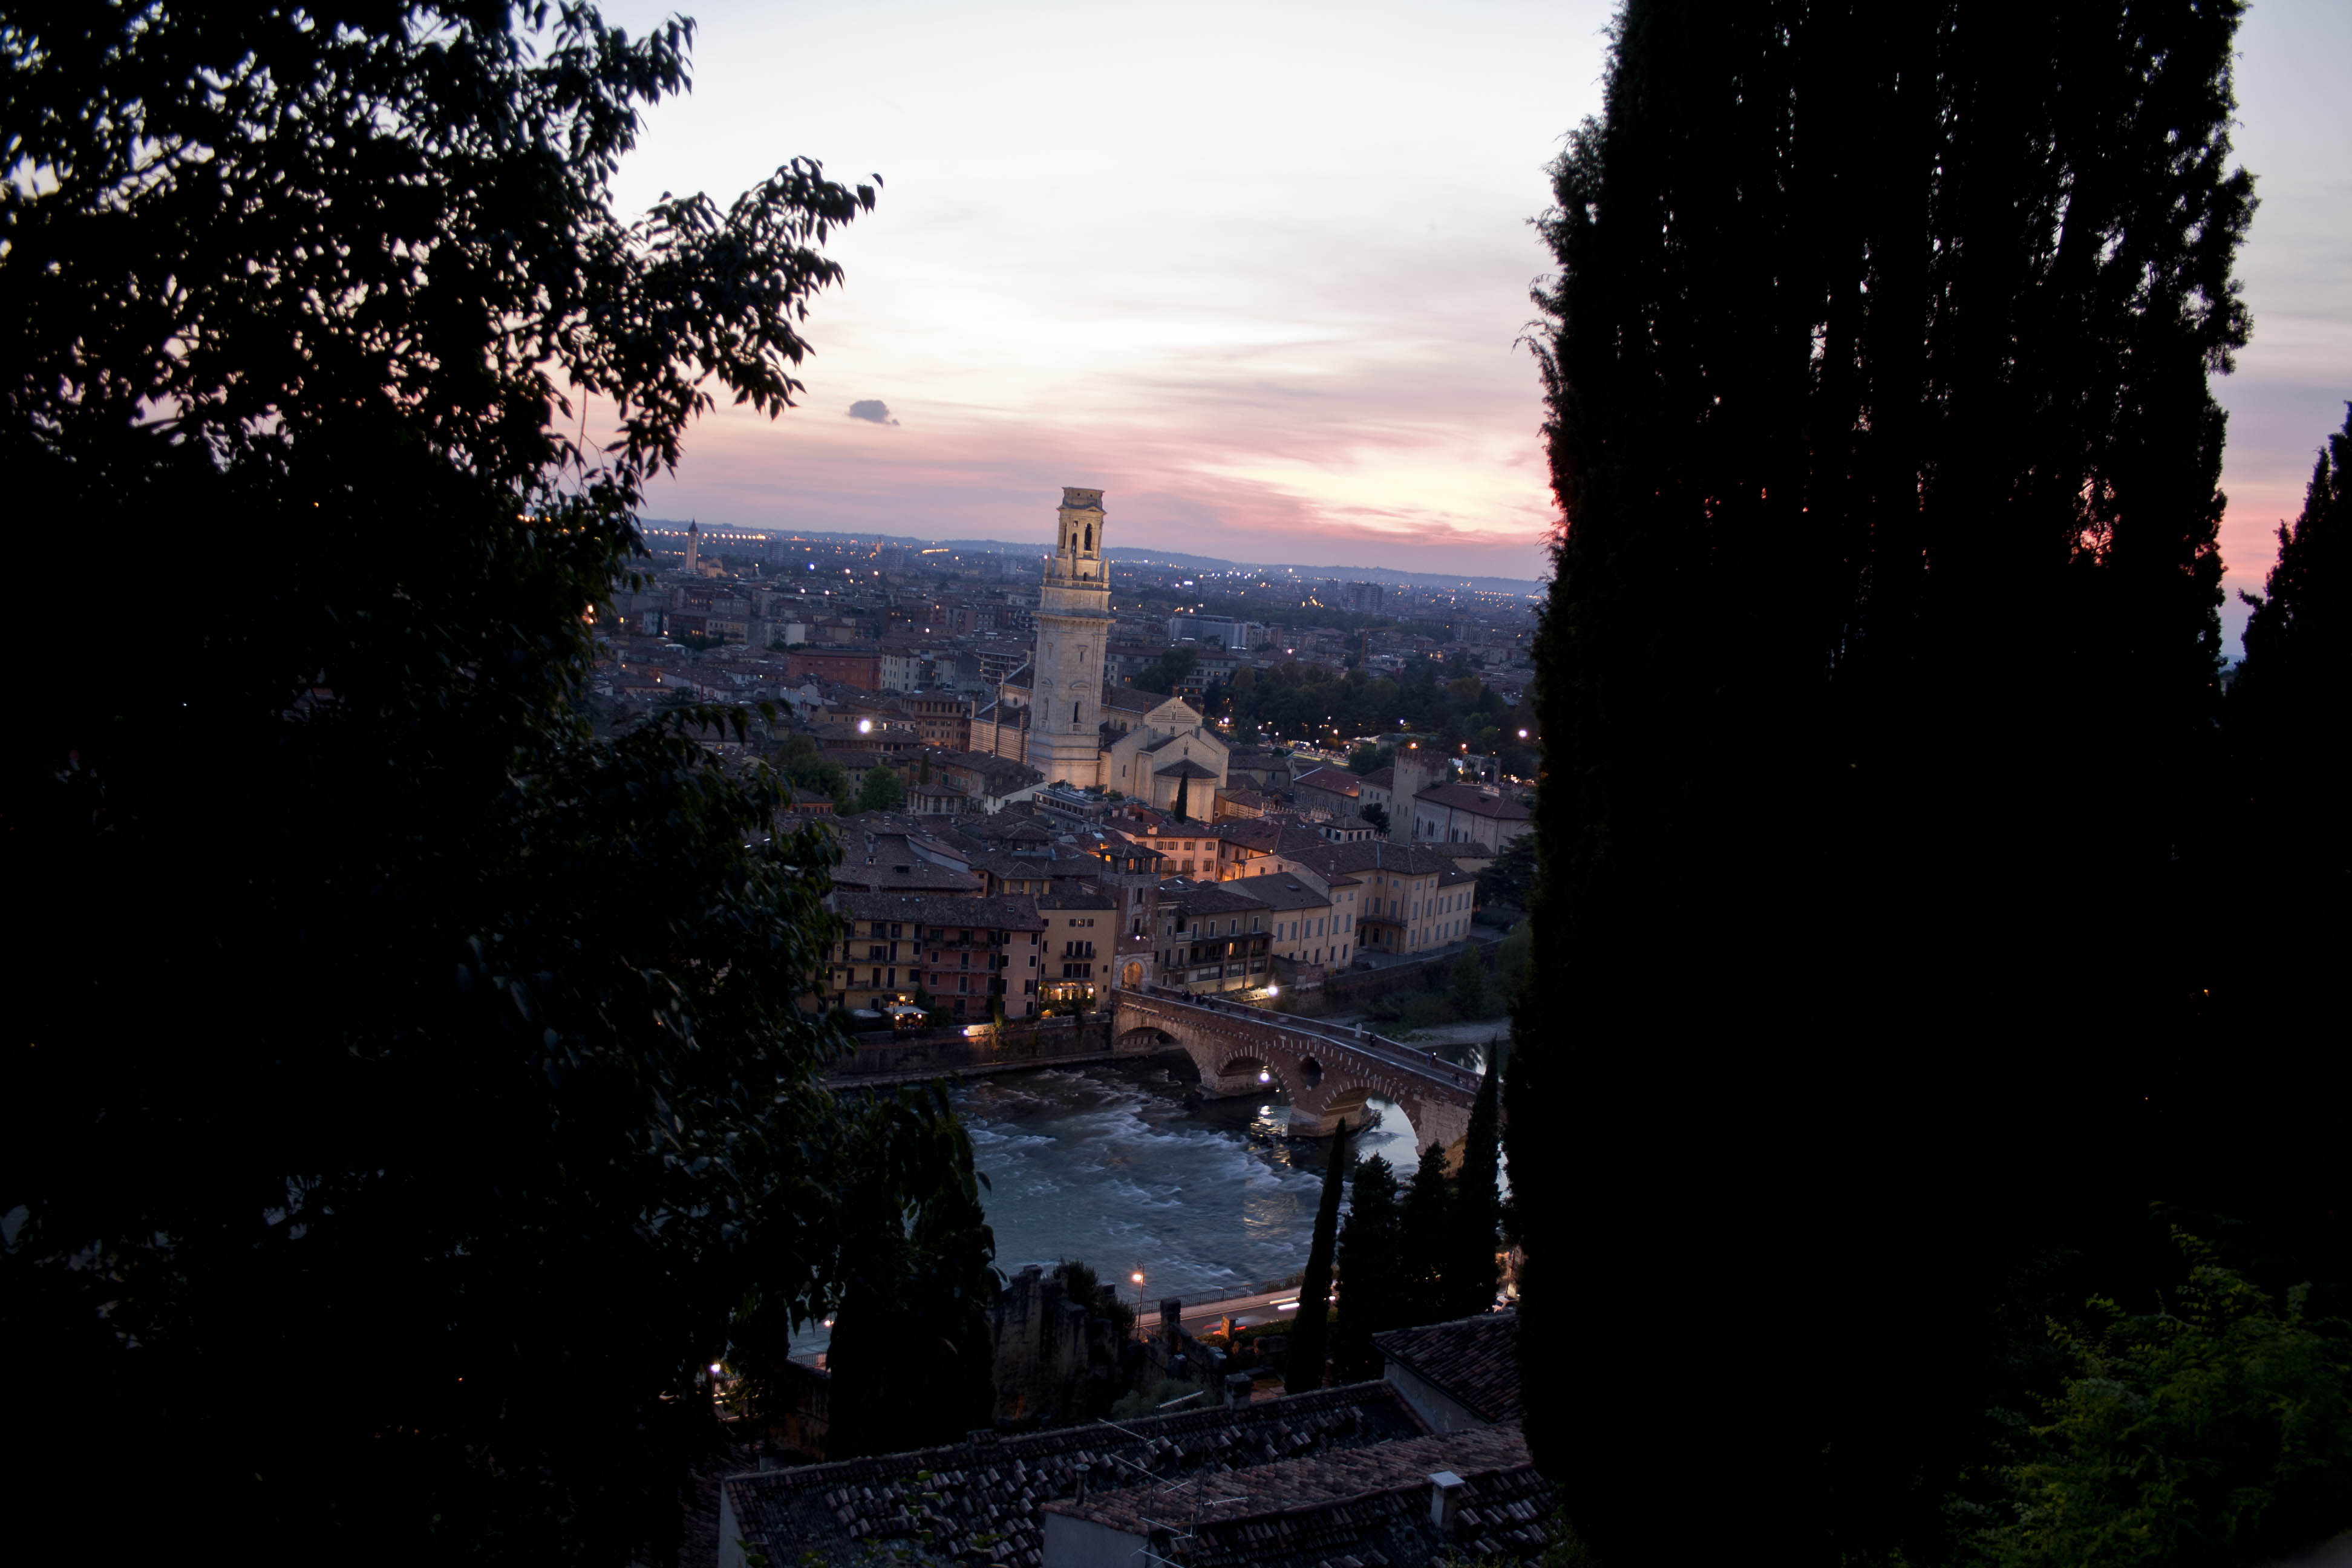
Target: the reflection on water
pixel 1106 1164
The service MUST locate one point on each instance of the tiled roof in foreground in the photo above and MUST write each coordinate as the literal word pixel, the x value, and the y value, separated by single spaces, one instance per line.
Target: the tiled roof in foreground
pixel 1473 1360
pixel 1364 1506
pixel 999 1485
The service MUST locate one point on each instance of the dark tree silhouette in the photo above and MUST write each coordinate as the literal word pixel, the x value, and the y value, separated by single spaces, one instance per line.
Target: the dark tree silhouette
pixel 1310 1335
pixel 912 1345
pixel 1470 1274
pixel 412 1101
pixel 2289 703
pixel 1426 1222
pixel 1369 1261
pixel 1877 685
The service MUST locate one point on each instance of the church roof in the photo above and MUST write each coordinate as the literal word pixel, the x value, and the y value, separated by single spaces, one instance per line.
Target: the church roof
pixel 1184 769
pixel 1131 699
pixel 1023 678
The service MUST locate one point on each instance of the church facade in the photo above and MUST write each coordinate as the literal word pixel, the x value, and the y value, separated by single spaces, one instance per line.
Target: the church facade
pixel 1055 713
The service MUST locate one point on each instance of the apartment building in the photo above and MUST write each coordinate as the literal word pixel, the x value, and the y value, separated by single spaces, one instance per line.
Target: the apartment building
pixel 970 953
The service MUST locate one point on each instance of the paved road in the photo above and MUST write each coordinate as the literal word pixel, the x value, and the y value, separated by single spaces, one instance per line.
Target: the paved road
pixel 1247 1311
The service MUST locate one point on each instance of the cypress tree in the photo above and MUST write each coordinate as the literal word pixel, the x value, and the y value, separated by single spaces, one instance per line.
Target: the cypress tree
pixel 1470 1275
pixel 912 1349
pixel 1425 1221
pixel 2288 703
pixel 1311 1336
pixel 1370 1271
pixel 1877 360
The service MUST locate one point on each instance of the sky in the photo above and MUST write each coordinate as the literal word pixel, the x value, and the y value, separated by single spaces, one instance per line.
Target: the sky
pixel 1260 272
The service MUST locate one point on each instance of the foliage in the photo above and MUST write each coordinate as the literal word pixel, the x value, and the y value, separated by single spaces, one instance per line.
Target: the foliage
pixel 1299 613
pixel 1879 685
pixel 1511 956
pixel 1170 670
pixel 2213 1432
pixel 881 790
pixel 1148 1399
pixel 1306 702
pixel 1081 1284
pixel 1369 1253
pixel 1425 1222
pixel 2286 706
pixel 1303 1364
pixel 445 1065
pixel 1510 877
pixel 1467 987
pixel 1412 1010
pixel 1370 759
pixel 912 1345
pixel 802 763
pixel 1377 815
pixel 1470 1273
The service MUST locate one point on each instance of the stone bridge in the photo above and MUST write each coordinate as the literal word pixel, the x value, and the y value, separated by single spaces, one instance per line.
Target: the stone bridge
pixel 1329 1069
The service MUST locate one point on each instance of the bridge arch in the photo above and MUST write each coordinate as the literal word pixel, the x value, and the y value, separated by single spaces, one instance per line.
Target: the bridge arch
pixel 1327 1071
pixel 1243 1072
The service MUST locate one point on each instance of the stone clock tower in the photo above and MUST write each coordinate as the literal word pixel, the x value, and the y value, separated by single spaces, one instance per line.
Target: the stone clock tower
pixel 1074 627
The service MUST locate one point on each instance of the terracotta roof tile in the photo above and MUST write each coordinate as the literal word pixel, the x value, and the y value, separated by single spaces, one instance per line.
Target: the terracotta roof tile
pixel 1000 1485
pixel 1474 1362
pixel 1365 1505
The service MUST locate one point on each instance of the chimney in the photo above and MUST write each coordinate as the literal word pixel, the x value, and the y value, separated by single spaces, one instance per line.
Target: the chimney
pixel 1237 1390
pixel 1445 1490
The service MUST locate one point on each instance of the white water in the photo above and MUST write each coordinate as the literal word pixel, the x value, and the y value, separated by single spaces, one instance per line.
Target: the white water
pixel 1107 1165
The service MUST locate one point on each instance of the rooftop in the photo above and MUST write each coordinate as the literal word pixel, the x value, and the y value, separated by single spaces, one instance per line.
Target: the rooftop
pixel 1477 802
pixel 1473 1360
pixel 1368 1505
pixel 1280 890
pixel 993 1485
pixel 998 911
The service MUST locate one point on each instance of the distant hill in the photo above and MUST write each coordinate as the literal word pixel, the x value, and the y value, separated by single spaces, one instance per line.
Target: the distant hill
pixel 1382 574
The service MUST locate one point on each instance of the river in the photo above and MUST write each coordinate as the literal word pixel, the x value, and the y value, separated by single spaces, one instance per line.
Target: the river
pixel 1108 1165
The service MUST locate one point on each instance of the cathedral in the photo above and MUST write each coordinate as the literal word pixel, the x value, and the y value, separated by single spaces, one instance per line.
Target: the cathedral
pixel 1055 712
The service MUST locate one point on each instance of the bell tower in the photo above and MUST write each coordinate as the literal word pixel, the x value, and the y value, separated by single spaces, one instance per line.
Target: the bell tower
pixel 1073 626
